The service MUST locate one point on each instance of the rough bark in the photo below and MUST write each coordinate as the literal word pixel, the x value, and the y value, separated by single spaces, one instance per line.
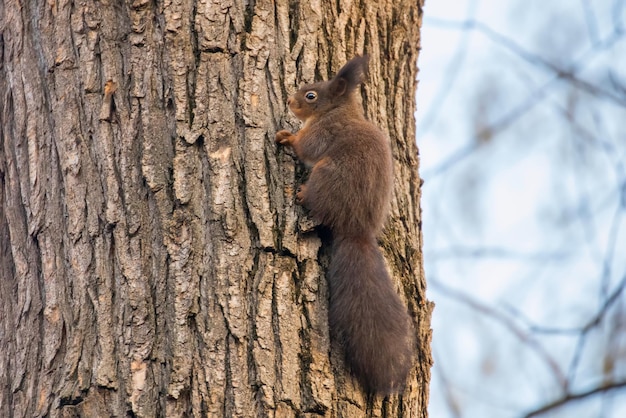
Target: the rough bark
pixel 152 260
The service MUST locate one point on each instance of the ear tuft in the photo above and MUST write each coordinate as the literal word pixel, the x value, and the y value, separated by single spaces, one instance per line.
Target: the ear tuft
pixel 350 75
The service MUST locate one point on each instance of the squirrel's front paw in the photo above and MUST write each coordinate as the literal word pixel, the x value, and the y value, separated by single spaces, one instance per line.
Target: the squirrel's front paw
pixel 284 137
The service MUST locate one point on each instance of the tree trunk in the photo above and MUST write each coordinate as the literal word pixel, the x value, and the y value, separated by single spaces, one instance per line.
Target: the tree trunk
pixel 152 260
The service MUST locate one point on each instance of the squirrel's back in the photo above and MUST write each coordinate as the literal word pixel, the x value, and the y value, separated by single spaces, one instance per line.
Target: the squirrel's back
pixel 353 191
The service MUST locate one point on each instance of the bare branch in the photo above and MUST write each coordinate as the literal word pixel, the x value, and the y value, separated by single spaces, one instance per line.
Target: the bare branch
pixel 595 319
pixel 572 397
pixel 535 59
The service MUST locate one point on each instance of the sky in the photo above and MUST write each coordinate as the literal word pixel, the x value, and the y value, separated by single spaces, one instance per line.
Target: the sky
pixel 524 204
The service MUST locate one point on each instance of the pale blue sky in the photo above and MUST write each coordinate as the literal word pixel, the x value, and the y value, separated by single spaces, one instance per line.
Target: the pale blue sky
pixel 523 218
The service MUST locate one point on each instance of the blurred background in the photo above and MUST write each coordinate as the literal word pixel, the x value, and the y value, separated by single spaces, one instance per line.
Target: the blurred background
pixel 521 125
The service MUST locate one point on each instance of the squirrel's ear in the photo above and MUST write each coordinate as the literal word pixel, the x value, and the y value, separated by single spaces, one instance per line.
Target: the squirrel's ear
pixel 350 75
pixel 338 86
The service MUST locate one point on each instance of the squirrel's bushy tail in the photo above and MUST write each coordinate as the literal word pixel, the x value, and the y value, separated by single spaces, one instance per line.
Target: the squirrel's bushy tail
pixel 367 317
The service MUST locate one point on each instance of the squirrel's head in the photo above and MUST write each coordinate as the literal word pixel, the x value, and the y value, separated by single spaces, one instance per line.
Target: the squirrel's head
pixel 319 98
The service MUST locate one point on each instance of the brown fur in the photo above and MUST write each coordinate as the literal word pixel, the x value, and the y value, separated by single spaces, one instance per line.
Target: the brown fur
pixel 349 190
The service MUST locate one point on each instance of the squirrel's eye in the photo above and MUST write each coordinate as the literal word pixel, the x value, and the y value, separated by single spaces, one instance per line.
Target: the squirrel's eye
pixel 310 96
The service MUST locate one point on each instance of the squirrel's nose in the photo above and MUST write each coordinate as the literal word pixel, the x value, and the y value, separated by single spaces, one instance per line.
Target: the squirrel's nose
pixel 289 100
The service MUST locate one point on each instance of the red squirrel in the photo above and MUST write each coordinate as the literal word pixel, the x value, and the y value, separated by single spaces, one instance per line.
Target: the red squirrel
pixel 349 191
